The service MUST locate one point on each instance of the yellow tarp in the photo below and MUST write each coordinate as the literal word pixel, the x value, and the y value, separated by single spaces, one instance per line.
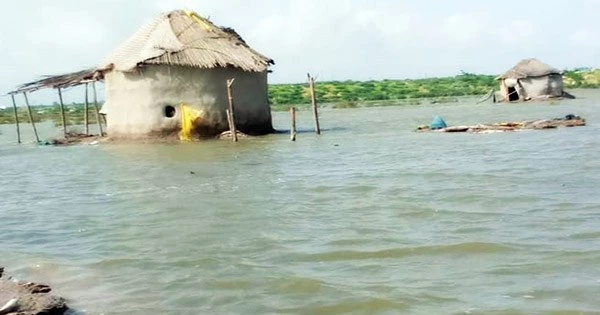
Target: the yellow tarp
pixel 188 116
pixel 194 16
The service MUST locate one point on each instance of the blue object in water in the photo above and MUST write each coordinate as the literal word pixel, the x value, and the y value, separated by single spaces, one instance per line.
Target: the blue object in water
pixel 437 123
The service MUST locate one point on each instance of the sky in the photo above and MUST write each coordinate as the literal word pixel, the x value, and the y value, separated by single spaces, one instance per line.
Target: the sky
pixel 333 40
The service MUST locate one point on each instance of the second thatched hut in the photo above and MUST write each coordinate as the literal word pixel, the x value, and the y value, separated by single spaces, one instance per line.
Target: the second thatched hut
pixel 531 79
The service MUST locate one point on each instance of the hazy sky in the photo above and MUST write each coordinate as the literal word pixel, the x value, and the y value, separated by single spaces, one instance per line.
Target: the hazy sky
pixel 335 39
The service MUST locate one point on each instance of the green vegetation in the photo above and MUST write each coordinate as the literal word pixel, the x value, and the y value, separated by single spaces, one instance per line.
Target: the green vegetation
pixel 73 114
pixel 344 94
pixel 582 78
pixel 349 94
pixel 352 94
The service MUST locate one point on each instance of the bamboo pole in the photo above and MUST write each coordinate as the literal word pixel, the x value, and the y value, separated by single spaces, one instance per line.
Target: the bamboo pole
pixel 232 127
pixel 31 117
pixel 62 112
pixel 293 128
pixel 313 99
pixel 97 109
pixel 12 96
pixel 229 123
pixel 85 110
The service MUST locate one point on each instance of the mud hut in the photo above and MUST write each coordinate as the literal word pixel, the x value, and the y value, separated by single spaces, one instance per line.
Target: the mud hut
pixel 530 79
pixel 181 58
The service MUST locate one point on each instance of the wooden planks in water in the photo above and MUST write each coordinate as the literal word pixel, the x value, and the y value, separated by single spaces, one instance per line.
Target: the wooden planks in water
pixel 567 121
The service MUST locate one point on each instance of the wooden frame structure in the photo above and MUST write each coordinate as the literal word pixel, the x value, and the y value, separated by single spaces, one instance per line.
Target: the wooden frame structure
pixel 60 82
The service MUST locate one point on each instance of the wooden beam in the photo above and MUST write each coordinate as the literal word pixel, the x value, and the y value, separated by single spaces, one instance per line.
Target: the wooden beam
pixel 37 139
pixel 62 112
pixel 14 103
pixel 85 110
pixel 97 108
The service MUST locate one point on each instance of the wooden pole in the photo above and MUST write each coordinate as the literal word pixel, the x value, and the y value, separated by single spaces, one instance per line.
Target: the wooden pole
pixel 313 98
pixel 85 110
pixel 97 109
pixel 16 118
pixel 62 112
pixel 293 129
pixel 31 117
pixel 228 113
pixel 232 127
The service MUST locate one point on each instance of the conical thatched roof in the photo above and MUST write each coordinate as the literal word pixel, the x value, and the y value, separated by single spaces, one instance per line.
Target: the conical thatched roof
pixel 185 39
pixel 529 68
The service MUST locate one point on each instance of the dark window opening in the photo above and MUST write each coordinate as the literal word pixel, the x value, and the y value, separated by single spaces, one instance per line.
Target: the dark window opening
pixel 169 111
pixel 512 94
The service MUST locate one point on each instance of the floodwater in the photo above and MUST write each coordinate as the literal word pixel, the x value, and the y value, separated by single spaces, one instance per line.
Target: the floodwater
pixel 368 218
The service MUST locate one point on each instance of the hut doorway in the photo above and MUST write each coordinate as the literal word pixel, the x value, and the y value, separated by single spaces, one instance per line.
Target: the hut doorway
pixel 512 94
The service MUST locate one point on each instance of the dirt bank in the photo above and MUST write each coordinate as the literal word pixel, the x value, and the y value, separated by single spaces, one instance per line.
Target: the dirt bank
pixel 28 298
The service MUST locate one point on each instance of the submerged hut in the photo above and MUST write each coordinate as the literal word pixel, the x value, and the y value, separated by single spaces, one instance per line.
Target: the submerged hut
pixel 530 79
pixel 182 58
pixel 179 65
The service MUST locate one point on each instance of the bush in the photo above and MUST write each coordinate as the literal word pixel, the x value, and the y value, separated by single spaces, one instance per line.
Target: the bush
pixel 345 104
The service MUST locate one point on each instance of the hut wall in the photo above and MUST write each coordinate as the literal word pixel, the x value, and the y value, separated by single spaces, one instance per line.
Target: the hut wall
pixel 541 87
pixel 136 101
pixel 556 86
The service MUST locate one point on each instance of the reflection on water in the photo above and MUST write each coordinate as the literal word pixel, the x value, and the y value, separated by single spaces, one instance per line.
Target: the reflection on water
pixel 368 218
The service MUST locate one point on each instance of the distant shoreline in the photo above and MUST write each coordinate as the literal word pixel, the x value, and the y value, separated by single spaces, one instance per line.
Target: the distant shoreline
pixel 342 94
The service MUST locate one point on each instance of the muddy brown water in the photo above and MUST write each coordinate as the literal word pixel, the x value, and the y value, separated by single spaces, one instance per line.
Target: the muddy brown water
pixel 368 218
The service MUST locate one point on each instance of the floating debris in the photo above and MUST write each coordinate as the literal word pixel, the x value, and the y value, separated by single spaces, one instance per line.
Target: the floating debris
pixel 73 138
pixel 567 121
pixel 227 135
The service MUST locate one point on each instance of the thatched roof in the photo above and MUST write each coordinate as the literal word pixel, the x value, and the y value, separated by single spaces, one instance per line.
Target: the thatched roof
pixel 59 81
pixel 529 68
pixel 185 39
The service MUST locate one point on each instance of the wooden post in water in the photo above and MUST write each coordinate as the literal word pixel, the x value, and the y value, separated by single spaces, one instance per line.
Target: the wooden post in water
pixel 31 117
pixel 231 114
pixel 229 123
pixel 313 99
pixel 12 96
pixel 97 109
pixel 293 127
pixel 62 112
pixel 85 110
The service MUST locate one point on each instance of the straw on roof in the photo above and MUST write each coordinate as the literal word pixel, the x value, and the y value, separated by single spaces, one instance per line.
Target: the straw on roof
pixel 529 68
pixel 185 39
pixel 59 81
